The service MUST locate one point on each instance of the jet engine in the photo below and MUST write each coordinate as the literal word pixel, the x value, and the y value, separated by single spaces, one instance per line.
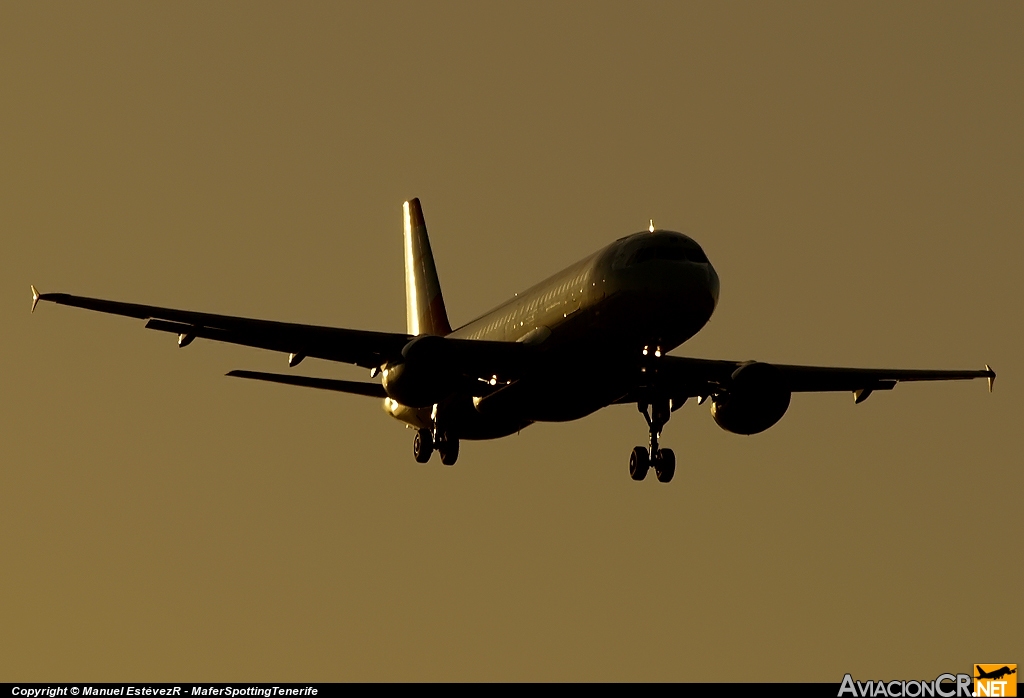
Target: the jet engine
pixel 425 375
pixel 756 398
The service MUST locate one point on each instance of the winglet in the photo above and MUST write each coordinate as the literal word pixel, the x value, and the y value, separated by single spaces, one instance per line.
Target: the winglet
pixel 35 297
pixel 991 377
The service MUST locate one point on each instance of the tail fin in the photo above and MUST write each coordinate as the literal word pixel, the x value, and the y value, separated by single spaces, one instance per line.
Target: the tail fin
pixel 424 306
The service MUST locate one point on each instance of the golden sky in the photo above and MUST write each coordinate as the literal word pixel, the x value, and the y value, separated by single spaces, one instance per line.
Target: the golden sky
pixel 854 173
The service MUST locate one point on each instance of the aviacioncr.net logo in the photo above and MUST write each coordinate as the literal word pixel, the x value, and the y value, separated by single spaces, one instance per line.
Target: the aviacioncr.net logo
pixel 995 680
pixel 943 686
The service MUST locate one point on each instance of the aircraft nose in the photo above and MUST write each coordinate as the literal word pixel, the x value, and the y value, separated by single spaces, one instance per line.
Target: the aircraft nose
pixel 713 285
pixel 701 285
pixel 697 283
pixel 671 286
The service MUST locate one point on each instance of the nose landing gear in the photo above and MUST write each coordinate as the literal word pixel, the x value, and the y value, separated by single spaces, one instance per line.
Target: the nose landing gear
pixel 639 462
pixel 665 464
pixel 663 459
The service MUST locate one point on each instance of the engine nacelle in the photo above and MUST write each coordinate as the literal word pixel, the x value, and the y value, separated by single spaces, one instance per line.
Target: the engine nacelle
pixel 756 398
pixel 424 376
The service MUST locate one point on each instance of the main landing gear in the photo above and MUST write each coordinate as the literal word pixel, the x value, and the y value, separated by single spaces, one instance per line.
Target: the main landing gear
pixel 663 459
pixel 424 444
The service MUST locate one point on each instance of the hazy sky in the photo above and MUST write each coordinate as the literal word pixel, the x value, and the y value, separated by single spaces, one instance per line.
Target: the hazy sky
pixel 855 174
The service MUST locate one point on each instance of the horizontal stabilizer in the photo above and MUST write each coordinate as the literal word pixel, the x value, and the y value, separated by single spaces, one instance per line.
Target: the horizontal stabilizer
pixel 354 387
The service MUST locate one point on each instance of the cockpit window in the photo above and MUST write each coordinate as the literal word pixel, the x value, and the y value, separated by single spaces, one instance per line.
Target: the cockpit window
pixel 670 252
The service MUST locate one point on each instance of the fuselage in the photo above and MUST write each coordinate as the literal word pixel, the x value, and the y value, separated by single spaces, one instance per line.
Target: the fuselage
pixel 650 291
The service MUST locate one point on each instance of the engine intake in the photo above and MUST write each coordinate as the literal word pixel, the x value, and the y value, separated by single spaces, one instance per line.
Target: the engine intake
pixel 756 398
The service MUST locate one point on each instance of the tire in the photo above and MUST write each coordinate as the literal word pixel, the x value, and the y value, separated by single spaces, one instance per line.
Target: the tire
pixel 449 450
pixel 639 462
pixel 422 446
pixel 665 465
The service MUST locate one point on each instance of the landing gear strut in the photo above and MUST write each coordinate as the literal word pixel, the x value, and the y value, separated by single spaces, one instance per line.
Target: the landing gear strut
pixel 663 459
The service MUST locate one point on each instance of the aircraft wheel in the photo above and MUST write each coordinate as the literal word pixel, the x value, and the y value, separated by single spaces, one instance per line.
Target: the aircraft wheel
pixel 449 450
pixel 665 465
pixel 422 446
pixel 639 462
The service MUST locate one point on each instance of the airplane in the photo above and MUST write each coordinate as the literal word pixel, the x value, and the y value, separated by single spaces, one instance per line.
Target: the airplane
pixel 996 674
pixel 595 334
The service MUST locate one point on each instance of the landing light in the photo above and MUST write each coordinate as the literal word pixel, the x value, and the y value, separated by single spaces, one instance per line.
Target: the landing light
pixel 657 352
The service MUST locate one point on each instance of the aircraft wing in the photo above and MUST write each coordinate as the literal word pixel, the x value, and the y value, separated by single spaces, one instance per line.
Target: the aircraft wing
pixel 684 377
pixel 367 349
pixel 814 379
pixel 360 347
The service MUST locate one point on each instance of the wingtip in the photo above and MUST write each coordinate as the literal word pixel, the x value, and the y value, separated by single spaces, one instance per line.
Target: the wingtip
pixel 991 377
pixel 35 297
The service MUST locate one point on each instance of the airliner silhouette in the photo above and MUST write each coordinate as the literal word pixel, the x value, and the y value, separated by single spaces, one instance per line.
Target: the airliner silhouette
pixel 995 674
pixel 595 334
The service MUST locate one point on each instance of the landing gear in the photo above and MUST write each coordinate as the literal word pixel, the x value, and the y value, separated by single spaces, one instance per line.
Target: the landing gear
pixel 449 450
pixel 422 445
pixel 425 443
pixel 665 464
pixel 663 459
pixel 436 439
pixel 639 462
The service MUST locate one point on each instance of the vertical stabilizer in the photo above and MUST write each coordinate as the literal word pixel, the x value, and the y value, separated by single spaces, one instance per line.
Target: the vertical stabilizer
pixel 424 306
